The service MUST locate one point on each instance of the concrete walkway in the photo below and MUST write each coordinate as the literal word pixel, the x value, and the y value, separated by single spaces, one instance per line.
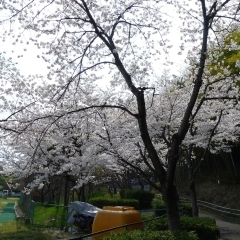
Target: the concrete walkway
pixel 228 230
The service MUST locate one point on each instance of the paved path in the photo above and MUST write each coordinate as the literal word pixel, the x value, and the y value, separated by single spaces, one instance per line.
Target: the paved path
pixel 8 213
pixel 229 230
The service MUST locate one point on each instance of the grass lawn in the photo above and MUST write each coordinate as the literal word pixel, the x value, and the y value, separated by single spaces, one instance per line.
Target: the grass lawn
pixel 50 215
pixel 17 230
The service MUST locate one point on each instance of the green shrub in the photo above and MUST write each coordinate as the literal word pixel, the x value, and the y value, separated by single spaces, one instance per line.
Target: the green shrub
pixel 103 201
pixel 205 228
pixel 157 225
pixel 147 217
pixel 144 197
pixel 185 209
pixel 153 235
pixel 158 206
pixel 99 192
pixel 158 203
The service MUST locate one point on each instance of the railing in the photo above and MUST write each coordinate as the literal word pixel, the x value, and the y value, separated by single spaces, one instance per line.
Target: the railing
pixel 234 213
pixel 161 211
pixel 123 227
pixel 213 207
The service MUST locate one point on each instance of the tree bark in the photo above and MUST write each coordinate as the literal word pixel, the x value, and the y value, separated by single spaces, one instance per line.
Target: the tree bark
pixel 83 197
pixel 192 189
pixel 170 197
pixel 193 195
pixel 65 201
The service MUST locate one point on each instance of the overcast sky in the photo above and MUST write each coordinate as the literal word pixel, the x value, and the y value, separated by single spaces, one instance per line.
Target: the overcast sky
pixel 30 63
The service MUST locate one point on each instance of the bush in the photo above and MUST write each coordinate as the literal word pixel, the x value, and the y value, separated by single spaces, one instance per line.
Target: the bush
pixel 205 228
pixel 159 208
pixel 157 225
pixel 103 201
pixel 144 197
pixel 99 192
pixel 153 235
pixel 185 209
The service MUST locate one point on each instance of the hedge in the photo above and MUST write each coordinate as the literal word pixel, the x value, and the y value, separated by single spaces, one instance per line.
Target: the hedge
pixel 106 201
pixel 159 208
pixel 144 197
pixel 205 228
pixel 152 235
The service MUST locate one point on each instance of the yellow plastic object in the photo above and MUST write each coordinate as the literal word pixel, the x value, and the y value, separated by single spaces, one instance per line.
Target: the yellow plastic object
pixel 111 217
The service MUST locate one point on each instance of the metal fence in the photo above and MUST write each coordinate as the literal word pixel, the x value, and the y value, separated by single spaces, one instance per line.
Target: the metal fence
pixel 131 226
pixel 220 210
pixel 48 215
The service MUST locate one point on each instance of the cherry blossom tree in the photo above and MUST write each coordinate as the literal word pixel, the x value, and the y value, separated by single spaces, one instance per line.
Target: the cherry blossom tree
pixel 65 150
pixel 87 41
pixel 119 141
pixel 214 128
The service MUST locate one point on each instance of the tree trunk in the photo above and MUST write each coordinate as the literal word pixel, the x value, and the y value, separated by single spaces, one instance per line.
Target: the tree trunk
pixel 114 188
pixel 170 197
pixel 42 196
pixel 60 190
pixel 141 183
pixel 65 201
pixel 193 199
pixel 83 198
pixel 192 189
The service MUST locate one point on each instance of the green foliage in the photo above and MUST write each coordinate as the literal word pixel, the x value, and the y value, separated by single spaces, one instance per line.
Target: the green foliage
pixel 226 57
pixel 106 201
pixel 153 235
pixel 147 217
pixel 157 225
pixel 158 206
pixel 99 192
pixel 144 197
pixel 185 209
pixel 157 203
pixel 205 228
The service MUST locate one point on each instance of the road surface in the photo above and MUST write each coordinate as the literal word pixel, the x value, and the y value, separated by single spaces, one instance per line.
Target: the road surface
pixel 228 230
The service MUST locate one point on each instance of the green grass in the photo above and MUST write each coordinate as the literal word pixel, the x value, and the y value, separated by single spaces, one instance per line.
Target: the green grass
pixel 50 215
pixel 25 235
pixel 5 201
pixel 17 229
